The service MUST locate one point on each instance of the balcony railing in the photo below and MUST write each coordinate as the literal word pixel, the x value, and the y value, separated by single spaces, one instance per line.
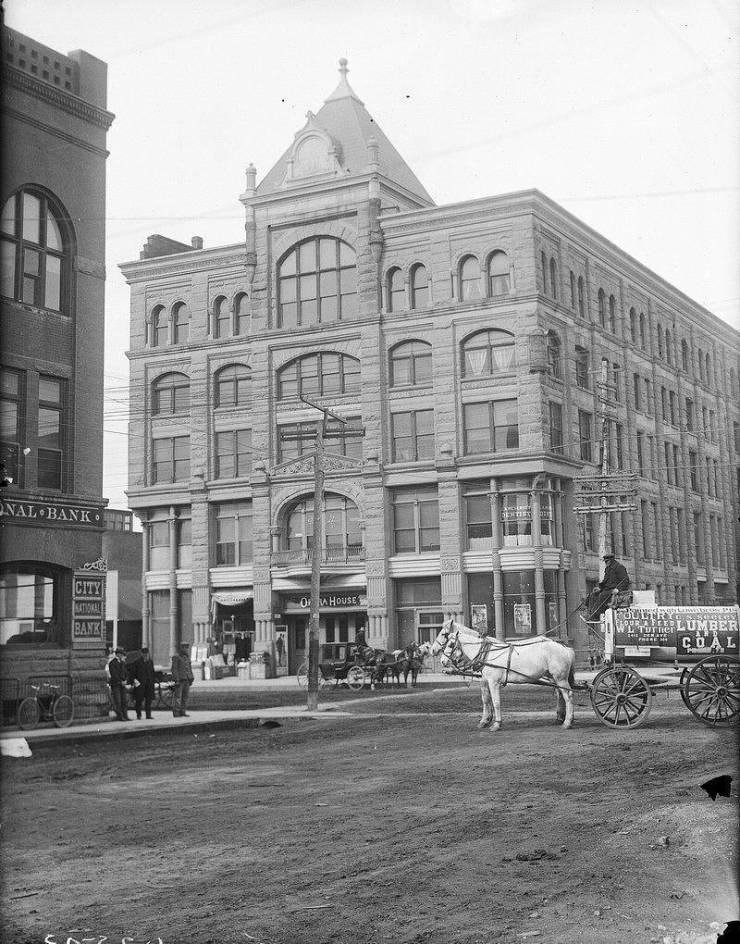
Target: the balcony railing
pixel 329 555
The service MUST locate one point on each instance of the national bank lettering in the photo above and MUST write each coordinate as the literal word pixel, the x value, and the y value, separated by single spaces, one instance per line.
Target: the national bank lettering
pixel 51 513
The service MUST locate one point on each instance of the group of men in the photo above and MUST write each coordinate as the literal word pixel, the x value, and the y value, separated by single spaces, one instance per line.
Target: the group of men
pixel 135 673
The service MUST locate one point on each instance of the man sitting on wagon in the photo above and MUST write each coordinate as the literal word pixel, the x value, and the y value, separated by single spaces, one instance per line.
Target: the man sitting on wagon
pixel 363 652
pixel 615 581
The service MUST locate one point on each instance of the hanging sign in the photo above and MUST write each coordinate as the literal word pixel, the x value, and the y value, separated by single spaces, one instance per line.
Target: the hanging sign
pixel 54 513
pixel 88 605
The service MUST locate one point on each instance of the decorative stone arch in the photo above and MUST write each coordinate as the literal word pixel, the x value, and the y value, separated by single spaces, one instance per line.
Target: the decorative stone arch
pixel 314 154
pixel 291 238
pixel 487 259
pixel 350 347
pixel 458 261
pixel 288 495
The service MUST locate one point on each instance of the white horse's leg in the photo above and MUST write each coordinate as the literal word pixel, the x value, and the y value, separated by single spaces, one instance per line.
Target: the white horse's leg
pixel 496 696
pixel 560 704
pixel 485 694
pixel 568 698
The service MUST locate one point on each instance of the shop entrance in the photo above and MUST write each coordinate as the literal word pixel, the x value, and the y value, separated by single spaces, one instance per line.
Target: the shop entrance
pixel 334 628
pixel 233 632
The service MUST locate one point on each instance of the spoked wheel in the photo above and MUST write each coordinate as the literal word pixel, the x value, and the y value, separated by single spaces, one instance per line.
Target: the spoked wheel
pixel 28 714
pixel 64 711
pixel 356 678
pixel 621 697
pixel 711 690
pixel 302 674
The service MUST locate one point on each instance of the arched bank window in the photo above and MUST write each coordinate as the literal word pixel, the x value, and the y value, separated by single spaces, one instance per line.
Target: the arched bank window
pixel 498 274
pixel 469 279
pixel 323 375
pixel 419 287
pixel 35 253
pixel 317 283
pixel 31 604
pixel 233 386
pixel 180 323
pixel 170 394
pixel 341 528
pixel 396 291
pixel 487 353
pixel 411 364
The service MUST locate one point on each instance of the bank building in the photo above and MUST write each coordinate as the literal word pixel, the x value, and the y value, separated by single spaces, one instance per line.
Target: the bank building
pixel 463 349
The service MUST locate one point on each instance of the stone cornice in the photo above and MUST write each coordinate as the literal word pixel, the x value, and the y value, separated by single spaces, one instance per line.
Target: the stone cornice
pixel 59 98
pixel 55 132
pixel 184 263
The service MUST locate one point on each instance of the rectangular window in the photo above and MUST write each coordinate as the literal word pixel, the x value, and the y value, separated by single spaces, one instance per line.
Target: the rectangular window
pixel 491 427
pixel 689 414
pixel 413 436
pixel 672 407
pixel 641 453
pixel 50 432
pixel 556 427
pixel 11 420
pixel 344 439
pixel 617 382
pixel 637 391
pixel 415 521
pixel 681 527
pixel 184 527
pixel 655 521
pixel 158 528
pixel 478 521
pixel 710 490
pixel 233 454
pixel 663 404
pixel 648 398
pixel 668 465
pixel 582 374
pixel 588 533
pixel 234 534
pixel 171 460
pixel 693 470
pixel 645 530
pixel 584 435
pixel 619 440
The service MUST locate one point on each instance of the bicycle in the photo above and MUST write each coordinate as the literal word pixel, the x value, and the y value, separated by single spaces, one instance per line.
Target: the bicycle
pixel 46 704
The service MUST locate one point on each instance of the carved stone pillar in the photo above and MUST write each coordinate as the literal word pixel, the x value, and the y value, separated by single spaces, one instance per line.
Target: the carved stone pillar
pixel 174 640
pixel 146 639
pixel 539 576
pixel 498 577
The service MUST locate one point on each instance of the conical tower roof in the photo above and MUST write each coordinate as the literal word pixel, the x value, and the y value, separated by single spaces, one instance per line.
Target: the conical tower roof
pixel 344 118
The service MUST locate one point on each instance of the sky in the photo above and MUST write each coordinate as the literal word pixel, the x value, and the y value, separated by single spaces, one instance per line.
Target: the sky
pixel 625 113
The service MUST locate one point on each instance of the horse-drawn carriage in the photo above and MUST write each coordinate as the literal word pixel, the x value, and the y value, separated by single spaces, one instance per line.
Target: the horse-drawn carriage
pixel 358 666
pixel 660 638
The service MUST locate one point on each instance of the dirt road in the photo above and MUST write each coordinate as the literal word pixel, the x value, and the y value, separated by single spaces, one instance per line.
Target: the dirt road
pixel 403 824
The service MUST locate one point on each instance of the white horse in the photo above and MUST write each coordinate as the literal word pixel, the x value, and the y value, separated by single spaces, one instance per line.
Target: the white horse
pixel 499 663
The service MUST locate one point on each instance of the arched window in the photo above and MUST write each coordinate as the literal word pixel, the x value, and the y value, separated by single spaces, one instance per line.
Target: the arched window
pixel 602 308
pixel 160 327
pixel 233 386
pixel 668 354
pixel 411 364
pixel 708 369
pixel 419 287
pixel 572 289
pixel 659 332
pixel 469 279
pixel 643 339
pixel 396 290
pixel 700 359
pixel 612 314
pixel 581 297
pixel 180 323
pixel 241 313
pixel 317 283
pixel 487 353
pixel 553 279
pixel 221 318
pixel 322 374
pixel 170 394
pixel 633 325
pixel 36 249
pixel 341 529
pixel 684 354
pixel 498 274
pixel 553 355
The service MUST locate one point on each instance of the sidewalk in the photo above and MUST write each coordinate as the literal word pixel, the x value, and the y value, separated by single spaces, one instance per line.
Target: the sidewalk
pixel 208 721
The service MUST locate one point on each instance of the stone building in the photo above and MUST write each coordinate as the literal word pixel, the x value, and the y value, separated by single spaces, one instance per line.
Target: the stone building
pixel 466 342
pixel 54 125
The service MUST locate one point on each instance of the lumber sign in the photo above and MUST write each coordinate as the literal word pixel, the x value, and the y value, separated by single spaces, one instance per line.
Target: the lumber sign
pixel 690 630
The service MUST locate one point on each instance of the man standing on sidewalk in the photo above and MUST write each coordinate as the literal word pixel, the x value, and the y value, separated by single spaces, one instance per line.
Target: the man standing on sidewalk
pixel 118 678
pixel 182 676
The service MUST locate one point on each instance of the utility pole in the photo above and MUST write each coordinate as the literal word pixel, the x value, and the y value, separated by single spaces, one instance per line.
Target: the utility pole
pixel 604 461
pixel 317 549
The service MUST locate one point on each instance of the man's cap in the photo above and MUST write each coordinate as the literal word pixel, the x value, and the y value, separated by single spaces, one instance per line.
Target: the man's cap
pixel 119 649
pixel 184 645
pixel 607 556
pixel 145 648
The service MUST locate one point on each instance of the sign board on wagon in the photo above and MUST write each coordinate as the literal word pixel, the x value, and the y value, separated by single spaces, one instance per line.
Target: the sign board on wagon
pixel 690 630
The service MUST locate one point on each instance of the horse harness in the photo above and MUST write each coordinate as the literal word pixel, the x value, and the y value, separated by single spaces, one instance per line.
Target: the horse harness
pixel 488 645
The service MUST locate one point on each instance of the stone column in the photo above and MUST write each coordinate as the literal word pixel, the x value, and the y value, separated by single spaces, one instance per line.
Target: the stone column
pixel 539 576
pixel 498 577
pixel 174 640
pixel 146 639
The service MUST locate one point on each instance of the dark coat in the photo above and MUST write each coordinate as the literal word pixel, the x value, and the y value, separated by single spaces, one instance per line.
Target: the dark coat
pixel 182 670
pixel 615 577
pixel 141 670
pixel 118 672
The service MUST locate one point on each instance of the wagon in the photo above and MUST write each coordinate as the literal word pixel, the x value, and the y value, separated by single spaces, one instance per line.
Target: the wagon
pixel 341 664
pixel 700 642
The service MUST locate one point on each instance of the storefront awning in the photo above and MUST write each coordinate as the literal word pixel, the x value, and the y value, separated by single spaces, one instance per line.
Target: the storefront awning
pixel 232 598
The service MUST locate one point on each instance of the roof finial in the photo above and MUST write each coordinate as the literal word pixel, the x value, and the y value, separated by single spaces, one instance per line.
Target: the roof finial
pixel 343 70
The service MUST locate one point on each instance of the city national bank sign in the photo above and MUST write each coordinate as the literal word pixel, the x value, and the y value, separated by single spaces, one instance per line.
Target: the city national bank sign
pixel 45 513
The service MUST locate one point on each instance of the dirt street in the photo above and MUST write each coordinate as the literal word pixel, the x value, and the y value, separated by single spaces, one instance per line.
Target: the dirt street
pixel 402 824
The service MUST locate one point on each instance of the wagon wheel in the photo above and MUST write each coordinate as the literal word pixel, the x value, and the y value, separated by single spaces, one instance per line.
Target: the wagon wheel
pixel 682 686
pixel 302 674
pixel 356 678
pixel 64 711
pixel 28 714
pixel 711 690
pixel 621 697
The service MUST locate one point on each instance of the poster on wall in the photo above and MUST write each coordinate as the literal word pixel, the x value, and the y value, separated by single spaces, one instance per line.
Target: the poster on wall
pixel 522 618
pixel 479 618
